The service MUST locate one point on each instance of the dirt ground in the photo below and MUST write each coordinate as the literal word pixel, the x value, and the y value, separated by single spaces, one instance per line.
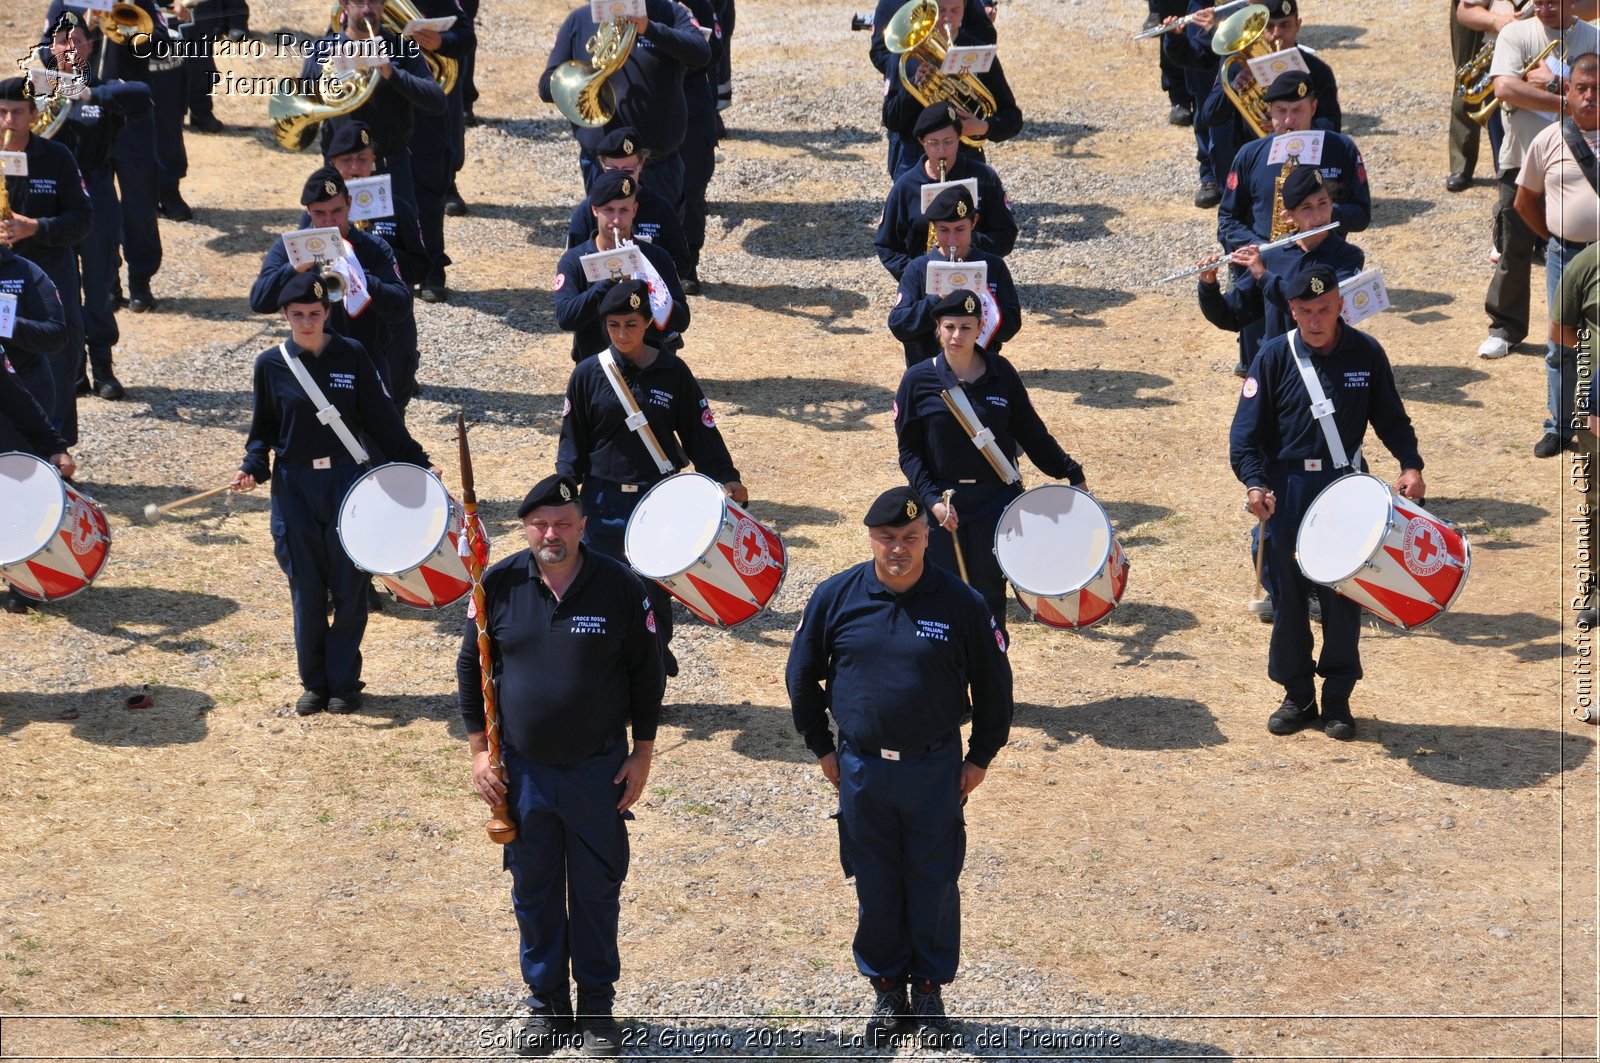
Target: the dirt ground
pixel 1143 850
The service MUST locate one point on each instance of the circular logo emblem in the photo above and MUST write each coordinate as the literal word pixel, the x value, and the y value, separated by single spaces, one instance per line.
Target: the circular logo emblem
pixel 749 548
pixel 958 279
pixel 81 527
pixel 364 198
pixel 1296 146
pixel 1361 300
pixel 561 281
pixel 1250 388
pixel 1424 547
pixel 650 621
pixel 316 245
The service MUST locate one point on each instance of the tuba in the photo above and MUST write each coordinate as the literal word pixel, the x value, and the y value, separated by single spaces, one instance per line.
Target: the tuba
pixel 915 32
pixel 579 89
pixel 1238 40
pixel 126 24
pixel 396 13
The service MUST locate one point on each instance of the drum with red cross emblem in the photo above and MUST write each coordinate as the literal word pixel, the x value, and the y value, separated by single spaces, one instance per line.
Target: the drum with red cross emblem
pixel 1382 551
pixel 1056 545
pixel 705 549
pixel 53 538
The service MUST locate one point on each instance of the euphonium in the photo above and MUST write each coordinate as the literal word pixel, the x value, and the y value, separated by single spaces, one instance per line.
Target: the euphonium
pixel 126 24
pixel 580 90
pixel 915 32
pixel 1238 40
pixel 396 13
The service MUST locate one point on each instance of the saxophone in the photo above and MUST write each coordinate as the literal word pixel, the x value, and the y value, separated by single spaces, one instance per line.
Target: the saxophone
pixel 5 191
pixel 1282 226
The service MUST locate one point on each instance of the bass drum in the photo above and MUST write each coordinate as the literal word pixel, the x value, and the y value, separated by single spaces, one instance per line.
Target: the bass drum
pixel 1057 547
pixel 53 538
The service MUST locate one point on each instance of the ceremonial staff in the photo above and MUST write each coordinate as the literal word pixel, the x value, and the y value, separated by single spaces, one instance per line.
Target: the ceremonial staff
pixel 474 549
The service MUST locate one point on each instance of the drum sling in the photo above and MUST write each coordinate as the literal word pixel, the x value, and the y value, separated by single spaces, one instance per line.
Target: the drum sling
pixel 955 397
pixel 327 413
pixel 1322 407
pixel 637 422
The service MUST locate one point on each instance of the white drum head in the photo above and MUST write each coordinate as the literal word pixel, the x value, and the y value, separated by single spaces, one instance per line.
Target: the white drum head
pixel 32 500
pixel 1052 540
pixel 393 518
pixel 1343 528
pixel 674 525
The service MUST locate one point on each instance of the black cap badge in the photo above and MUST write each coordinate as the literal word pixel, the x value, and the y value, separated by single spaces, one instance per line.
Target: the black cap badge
pixel 566 493
pixel 971 304
pixel 633 301
pixel 911 510
pixel 961 208
pixel 1286 7
pixel 1317 286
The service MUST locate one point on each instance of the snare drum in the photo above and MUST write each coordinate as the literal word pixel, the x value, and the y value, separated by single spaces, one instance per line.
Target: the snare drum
pixel 1057 547
pixel 400 524
pixel 705 549
pixel 53 538
pixel 1382 551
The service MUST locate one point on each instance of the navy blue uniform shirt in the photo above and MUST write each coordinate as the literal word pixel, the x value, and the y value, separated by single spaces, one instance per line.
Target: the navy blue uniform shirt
pixel 1273 426
pixel 912 322
pixel 285 420
pixel 55 194
pixel 936 452
pixel 390 112
pixel 569 675
pixel 595 441
pixel 41 326
pixel 92 124
pixel 656 222
pixel 1249 300
pixel 1249 201
pixel 23 424
pixel 578 302
pixel 649 87
pixel 895 669
pixel 903 235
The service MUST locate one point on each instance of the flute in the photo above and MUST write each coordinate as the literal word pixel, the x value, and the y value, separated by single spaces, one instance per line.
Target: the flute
pixel 1168 27
pixel 1286 241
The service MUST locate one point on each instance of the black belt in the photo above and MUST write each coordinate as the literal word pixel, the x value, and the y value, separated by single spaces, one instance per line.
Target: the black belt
pixel 1570 245
pixel 899 754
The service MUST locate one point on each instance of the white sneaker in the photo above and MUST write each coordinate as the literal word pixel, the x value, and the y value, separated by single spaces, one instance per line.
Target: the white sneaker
pixel 1494 347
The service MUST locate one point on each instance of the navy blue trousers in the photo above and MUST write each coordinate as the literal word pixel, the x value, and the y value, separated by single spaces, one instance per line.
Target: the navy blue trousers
pixel 608 507
pixel 567 867
pixel 97 260
pixel 170 91
pixel 138 168
pixel 305 537
pixel 61 265
pixel 906 840
pixel 978 510
pixel 699 154
pixel 1289 661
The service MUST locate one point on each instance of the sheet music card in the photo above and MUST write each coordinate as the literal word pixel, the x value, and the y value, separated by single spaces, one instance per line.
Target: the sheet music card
pixel 92 5
pixel 371 197
pixel 1269 68
pixel 603 11
pixel 603 265
pixel 931 190
pixel 14 163
pixel 438 25
pixel 305 246
pixel 1364 295
pixel 8 315
pixel 968 59
pixel 1306 147
pixel 947 277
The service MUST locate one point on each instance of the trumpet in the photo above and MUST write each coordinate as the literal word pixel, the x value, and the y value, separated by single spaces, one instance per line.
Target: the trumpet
pixel 1473 83
pixel 1177 24
pixel 333 282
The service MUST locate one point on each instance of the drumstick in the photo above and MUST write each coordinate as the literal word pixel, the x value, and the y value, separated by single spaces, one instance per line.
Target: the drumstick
pixel 961 561
pixel 1261 604
pixel 153 512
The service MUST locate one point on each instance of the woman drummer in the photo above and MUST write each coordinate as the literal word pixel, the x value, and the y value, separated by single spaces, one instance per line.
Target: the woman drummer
pixel 937 453
pixel 312 469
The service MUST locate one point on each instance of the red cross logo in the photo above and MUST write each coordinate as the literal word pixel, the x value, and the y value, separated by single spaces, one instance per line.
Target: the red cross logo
pixel 752 546
pixel 749 554
pixel 1425 546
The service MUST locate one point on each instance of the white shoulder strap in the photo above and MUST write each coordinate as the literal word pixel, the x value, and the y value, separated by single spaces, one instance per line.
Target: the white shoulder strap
pixel 326 412
pixel 955 397
pixel 636 421
pixel 1321 405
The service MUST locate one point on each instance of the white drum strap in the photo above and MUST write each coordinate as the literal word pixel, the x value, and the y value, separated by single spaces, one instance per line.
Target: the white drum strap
pixel 1321 405
pixel 636 422
pixel 326 411
pixel 982 437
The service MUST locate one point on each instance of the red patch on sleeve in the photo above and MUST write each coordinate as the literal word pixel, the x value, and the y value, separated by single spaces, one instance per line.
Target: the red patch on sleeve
pixel 707 419
pixel 1361 169
pixel 650 621
pixel 1233 180
pixel 561 280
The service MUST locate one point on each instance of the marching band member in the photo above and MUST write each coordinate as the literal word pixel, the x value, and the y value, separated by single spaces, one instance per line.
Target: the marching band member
pixel 93 125
pixel 648 88
pixel 899 652
pixel 577 668
pixel 1186 53
pixel 50 215
pixel 1250 202
pixel 937 452
pixel 977 23
pixel 901 236
pixel 40 329
pixel 327 201
pixel 614 463
pixel 25 426
pixel 954 220
pixel 438 142
pixel 1281 455
pixel 656 219
pixel 613 201
pixel 699 148
pixel 1472 22
pixel 313 465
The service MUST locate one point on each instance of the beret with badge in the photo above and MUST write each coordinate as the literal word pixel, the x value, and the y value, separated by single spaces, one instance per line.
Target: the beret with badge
pixel 15 90
pixel 612 185
pixel 1311 280
pixel 626 297
pixel 323 185
pixel 553 490
pixel 619 143
pixel 1298 186
pixel 895 508
pixel 953 204
pixel 1284 8
pixel 349 138
pixel 959 303
pixel 1293 85
pixel 934 117
pixel 304 287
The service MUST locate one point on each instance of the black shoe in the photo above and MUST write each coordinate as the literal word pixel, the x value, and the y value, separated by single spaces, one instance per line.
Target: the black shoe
pixel 237 34
pixel 1586 619
pixel 891 1012
pixel 118 300
pixel 139 298
pixel 455 206
pixel 205 123
pixel 345 703
pixel 471 120
pixel 1549 445
pixel 1151 21
pixel 1336 720
pixel 691 282
pixel 1290 718
pixel 107 386
pixel 934 1028
pixel 16 603
pixel 1207 195
pixel 83 387
pixel 311 702
pixel 1240 369
pixel 173 207
pixel 1181 114
pixel 539 1035
pixel 669 663
pixel 1457 182
pixel 433 293
pixel 602 1036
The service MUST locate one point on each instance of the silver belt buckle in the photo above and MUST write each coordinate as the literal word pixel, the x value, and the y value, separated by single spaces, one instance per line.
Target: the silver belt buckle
pixel 322 463
pixel 889 754
pixel 1313 465
pixel 629 489
pixel 966 481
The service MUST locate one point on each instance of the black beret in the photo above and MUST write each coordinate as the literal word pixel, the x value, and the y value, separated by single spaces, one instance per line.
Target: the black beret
pixel 959 302
pixel 610 185
pixel 895 508
pixel 15 89
pixel 934 117
pixel 304 287
pixel 322 185
pixel 621 141
pixel 553 490
pixel 1311 280
pixel 626 297
pixel 1295 85
pixel 1284 8
pixel 348 138
pixel 71 20
pixel 953 204
pixel 1301 182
